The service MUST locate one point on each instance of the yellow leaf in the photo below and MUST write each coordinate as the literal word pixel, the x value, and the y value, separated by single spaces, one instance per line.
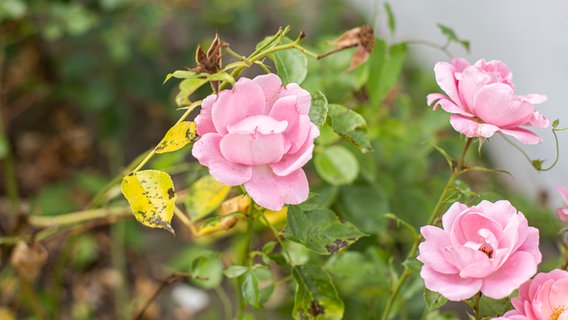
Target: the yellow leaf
pixel 204 196
pixel 177 137
pixel 151 196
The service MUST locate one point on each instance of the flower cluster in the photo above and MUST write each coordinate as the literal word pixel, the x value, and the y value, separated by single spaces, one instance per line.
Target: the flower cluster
pixel 259 135
pixel 482 100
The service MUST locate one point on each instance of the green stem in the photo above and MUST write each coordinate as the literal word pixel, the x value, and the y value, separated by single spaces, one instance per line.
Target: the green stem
pixel 244 260
pixel 75 217
pixel 475 306
pixel 277 236
pixel 456 171
pixel 225 301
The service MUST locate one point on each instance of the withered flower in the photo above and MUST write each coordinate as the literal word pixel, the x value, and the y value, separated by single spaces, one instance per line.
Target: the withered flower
pixel 210 62
pixel 361 37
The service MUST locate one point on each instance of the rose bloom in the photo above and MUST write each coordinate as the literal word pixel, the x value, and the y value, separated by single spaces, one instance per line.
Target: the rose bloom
pixel 259 135
pixel 542 298
pixel 562 213
pixel 488 247
pixel 482 100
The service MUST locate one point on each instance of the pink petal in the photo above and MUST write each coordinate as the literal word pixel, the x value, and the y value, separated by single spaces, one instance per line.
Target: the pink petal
pixel 206 151
pixel 203 121
pixel 431 250
pixel 304 98
pixel 563 193
pixel 297 131
pixel 562 214
pixel 559 293
pixel 531 243
pixel 258 124
pixel 534 98
pixel 496 104
pixel 294 161
pixel 520 267
pixel 445 78
pixel 252 149
pixel 452 213
pixel 453 287
pixel 472 80
pixel 272 191
pixel 271 85
pixel 471 128
pixel 447 104
pixel 538 120
pixel 523 135
pixel 244 100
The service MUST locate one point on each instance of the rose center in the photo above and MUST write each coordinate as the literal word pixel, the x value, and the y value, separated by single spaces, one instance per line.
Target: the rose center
pixel 487 249
pixel 557 311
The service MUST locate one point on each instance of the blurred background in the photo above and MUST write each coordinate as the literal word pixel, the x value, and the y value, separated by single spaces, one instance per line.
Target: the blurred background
pixel 81 96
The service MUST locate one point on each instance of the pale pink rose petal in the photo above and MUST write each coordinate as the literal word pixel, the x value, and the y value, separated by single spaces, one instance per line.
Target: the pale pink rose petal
pixel 534 98
pixel 453 212
pixel 258 124
pixel 271 85
pixel 471 128
pixel 297 131
pixel 563 212
pixel 538 120
pixel 445 78
pixel 523 135
pixel 206 151
pixel 501 211
pixel 453 287
pixel 272 191
pixel 432 250
pixel 251 149
pixel 304 99
pixel 447 105
pixel 519 267
pixel 498 69
pixel 563 193
pixel 294 161
pixel 559 293
pixel 472 79
pixel 531 244
pixel 244 100
pixel 496 104
pixel 203 121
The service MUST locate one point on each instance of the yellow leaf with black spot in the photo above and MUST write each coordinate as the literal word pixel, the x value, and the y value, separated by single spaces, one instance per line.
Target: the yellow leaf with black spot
pixel 180 135
pixel 151 196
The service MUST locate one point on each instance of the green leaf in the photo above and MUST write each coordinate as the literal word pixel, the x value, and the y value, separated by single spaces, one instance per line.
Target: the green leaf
pixel 320 230
pixel 180 135
pixel 452 36
pixel 390 17
pixel 208 266
pixel 336 165
pixel 316 296
pixel 204 196
pixel 385 65
pixel 434 300
pixel 491 307
pixel 318 110
pixel 181 74
pixel 350 125
pixel 235 271
pixel 257 286
pixel 151 196
pixel 364 206
pixel 291 65
pixel 186 88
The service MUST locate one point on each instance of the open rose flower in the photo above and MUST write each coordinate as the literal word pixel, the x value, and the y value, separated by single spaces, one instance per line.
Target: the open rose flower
pixel 259 135
pixel 542 298
pixel 562 213
pixel 482 100
pixel 488 247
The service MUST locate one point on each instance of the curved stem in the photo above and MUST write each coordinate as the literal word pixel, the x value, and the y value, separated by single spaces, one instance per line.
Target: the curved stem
pixel 75 217
pixel 456 172
pixel 244 261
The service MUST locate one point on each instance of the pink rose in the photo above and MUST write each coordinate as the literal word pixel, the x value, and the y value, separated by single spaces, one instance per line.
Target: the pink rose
pixel 488 247
pixel 542 298
pixel 563 212
pixel 258 134
pixel 482 100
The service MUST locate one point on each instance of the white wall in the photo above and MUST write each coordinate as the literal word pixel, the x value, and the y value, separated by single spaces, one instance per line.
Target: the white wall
pixel 530 36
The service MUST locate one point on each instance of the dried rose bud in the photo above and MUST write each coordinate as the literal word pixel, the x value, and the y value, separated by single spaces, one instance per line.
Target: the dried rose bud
pixel 361 37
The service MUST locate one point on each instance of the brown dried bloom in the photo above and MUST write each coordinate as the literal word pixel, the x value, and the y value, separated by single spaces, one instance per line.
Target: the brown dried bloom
pixel 361 37
pixel 210 62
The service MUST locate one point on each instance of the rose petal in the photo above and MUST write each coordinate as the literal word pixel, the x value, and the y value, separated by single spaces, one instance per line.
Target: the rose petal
pixel 252 149
pixel 517 269
pixel 203 121
pixel 431 250
pixel 272 192
pixel 453 287
pixel 244 100
pixel 496 104
pixel 294 161
pixel 206 151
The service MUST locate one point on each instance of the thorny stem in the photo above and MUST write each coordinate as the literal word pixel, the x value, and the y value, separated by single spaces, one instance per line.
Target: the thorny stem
pixel 456 171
